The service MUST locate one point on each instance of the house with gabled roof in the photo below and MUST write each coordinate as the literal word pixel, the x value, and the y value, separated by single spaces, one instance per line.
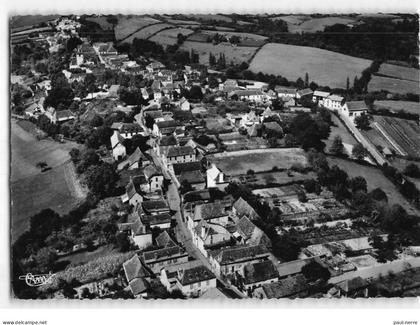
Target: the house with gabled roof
pixel 192 278
pixel 128 130
pixel 207 235
pixel 164 240
pixel 253 95
pixel 293 286
pixel 155 206
pixel 137 277
pixel 257 274
pixel 229 85
pixel 354 109
pixel 215 212
pixel 106 49
pixel 158 259
pixel 194 178
pixel 334 102
pixel 136 160
pixel 160 220
pixel 227 261
pixel 193 282
pixel 59 116
pixel 268 112
pixel 35 110
pixel 154 66
pixel 246 232
pixel 320 96
pixel 154 178
pixel 118 148
pixel 140 235
pixel 181 154
pixel 201 196
pixel 165 128
pixel 135 189
pixel 285 92
pixel 250 119
pixel 215 176
pixel 242 208
pixel 165 143
pixel 307 92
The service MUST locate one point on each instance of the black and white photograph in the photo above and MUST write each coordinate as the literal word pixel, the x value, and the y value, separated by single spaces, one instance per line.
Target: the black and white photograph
pixel 183 156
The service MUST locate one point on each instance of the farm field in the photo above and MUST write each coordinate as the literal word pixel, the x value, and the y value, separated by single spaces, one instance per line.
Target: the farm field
pixel 237 54
pixel 182 22
pixel 101 21
pixel 404 133
pixel 247 39
pixel 29 20
pixel 318 24
pixel 292 19
pixel 241 35
pixel 323 67
pixel 31 190
pixel 307 24
pixel 169 36
pixel 378 83
pixel 209 17
pixel 376 138
pixel 399 105
pixel 147 31
pixel 128 25
pixel 374 179
pixel 239 162
pixel 399 72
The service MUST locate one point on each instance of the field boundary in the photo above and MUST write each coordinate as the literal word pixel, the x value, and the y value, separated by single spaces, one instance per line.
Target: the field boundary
pixel 383 132
pixel 255 53
pixel 155 33
pixel 136 31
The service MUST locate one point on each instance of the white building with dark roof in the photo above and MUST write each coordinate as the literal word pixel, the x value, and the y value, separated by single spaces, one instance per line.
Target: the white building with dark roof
pixel 354 109
pixel 227 261
pixel 177 155
pixel 118 149
pixel 334 102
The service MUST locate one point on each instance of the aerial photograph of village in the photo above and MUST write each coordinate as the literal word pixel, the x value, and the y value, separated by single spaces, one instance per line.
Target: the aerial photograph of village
pixel 228 156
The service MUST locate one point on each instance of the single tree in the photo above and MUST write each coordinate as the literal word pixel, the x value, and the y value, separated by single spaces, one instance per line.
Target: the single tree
pixel 314 271
pixel 362 122
pixel 306 80
pixel 359 152
pixel 412 170
pixel 337 147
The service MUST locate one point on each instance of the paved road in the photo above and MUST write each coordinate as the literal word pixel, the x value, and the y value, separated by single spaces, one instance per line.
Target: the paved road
pixel 360 138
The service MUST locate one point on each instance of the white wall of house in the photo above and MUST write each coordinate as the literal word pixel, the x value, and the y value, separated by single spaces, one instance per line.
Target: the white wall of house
pixel 180 159
pixel 135 200
pixel 197 288
pixel 159 265
pixel 142 241
pixel 119 152
pixel 259 284
pixel 162 226
pixel 156 182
